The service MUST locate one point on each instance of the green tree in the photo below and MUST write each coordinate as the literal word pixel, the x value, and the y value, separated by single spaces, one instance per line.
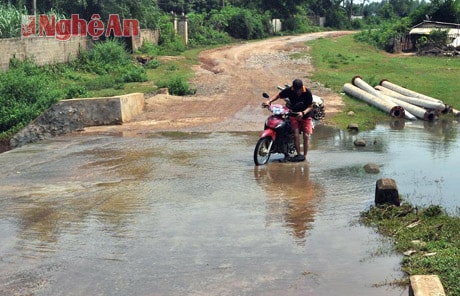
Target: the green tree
pixel 283 9
pixel 446 11
pixel 386 11
pixel 401 7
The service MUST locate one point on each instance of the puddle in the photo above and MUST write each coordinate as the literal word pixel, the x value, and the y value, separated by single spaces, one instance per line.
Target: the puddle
pixel 176 214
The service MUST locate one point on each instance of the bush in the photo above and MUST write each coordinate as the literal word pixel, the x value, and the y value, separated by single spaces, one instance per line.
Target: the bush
pixel 382 36
pixel 25 92
pixel 101 82
pixel 110 58
pixel 149 48
pixel 76 91
pixel 247 24
pixel 104 58
pixel 436 39
pixel 297 24
pixel 134 74
pixel 153 64
pixel 336 19
pixel 177 86
pixel 169 43
pixel 207 29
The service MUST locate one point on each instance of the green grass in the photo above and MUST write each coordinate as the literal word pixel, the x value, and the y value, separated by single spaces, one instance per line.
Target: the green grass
pixel 429 237
pixel 338 60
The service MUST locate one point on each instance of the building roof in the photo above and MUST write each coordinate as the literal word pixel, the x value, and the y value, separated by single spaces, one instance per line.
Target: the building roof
pixel 433 24
pixel 451 32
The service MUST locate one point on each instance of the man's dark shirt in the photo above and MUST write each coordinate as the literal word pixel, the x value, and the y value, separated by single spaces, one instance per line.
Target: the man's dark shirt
pixel 306 98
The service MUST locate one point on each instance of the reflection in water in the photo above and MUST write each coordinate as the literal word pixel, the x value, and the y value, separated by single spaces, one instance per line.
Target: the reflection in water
pixel 292 197
pixel 102 190
pixel 39 228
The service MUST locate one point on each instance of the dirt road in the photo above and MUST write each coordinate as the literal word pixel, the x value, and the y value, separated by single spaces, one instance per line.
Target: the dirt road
pixel 229 83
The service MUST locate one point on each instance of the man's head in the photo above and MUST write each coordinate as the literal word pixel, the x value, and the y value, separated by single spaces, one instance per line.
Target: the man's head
pixel 297 84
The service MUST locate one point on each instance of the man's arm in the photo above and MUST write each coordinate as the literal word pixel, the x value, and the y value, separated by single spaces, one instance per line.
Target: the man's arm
pixel 309 100
pixel 269 101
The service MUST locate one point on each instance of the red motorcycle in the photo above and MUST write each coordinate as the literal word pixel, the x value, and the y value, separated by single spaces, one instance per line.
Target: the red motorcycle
pixel 277 136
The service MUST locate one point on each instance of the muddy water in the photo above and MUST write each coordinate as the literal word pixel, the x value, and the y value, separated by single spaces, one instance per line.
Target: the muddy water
pixel 189 214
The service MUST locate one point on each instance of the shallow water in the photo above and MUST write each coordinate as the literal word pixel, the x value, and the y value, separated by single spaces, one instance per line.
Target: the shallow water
pixel 177 213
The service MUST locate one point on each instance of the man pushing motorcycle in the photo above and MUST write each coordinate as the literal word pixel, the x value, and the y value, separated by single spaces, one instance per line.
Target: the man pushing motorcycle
pixel 301 103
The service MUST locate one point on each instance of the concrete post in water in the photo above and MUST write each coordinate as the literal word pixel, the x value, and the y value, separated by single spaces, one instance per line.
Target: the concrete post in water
pixel 386 192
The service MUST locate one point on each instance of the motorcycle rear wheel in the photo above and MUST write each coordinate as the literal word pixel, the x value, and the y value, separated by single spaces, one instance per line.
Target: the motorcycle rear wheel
pixel 262 150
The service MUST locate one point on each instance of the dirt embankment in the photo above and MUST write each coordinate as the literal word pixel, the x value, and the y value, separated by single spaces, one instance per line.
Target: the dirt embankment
pixel 230 81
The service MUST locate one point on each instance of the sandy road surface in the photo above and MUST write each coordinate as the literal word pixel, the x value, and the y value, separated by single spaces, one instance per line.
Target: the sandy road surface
pixel 229 82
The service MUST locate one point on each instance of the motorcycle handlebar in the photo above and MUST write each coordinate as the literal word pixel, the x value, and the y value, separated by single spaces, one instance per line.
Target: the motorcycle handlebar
pixel 290 113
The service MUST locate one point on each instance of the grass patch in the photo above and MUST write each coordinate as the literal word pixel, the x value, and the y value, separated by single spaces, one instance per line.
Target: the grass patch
pixel 429 238
pixel 338 60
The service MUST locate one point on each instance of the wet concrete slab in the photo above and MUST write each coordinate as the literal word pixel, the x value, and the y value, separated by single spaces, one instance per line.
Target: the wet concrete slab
pixel 189 213
pixel 174 214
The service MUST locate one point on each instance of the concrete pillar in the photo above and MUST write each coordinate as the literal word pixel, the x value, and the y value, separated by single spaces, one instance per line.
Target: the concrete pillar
pixel 386 192
pixel 276 25
pixel 174 21
pixel 426 285
pixel 183 28
pixel 322 21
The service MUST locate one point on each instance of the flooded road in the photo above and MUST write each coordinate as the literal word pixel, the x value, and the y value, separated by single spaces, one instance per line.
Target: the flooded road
pixel 190 214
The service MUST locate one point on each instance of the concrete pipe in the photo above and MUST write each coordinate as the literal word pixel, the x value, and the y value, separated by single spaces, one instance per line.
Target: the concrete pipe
pixel 419 112
pixel 359 82
pixel 413 100
pixel 407 92
pixel 386 106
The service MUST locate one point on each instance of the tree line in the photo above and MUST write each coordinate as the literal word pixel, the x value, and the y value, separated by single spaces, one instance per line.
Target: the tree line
pixel 219 21
pixel 148 11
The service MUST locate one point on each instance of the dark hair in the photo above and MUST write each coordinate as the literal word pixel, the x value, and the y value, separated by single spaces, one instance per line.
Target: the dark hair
pixel 297 84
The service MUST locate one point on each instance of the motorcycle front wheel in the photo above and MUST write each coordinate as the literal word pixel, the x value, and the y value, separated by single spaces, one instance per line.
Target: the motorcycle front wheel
pixel 262 150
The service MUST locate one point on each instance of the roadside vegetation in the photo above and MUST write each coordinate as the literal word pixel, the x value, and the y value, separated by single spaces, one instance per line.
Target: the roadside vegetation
pixel 27 89
pixel 428 238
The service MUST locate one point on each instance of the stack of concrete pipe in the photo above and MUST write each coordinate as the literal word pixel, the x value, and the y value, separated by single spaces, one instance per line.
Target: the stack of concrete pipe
pixel 396 100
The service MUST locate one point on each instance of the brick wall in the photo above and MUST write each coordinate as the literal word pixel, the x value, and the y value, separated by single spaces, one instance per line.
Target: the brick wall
pixel 147 35
pixel 50 50
pixel 43 50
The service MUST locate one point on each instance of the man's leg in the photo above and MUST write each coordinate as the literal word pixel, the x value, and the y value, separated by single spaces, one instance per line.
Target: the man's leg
pixel 297 140
pixel 307 131
pixel 306 142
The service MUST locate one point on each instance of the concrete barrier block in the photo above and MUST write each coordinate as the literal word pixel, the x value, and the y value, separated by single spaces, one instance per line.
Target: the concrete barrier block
pixel 131 105
pixel 74 114
pixel 426 285
pixel 386 192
